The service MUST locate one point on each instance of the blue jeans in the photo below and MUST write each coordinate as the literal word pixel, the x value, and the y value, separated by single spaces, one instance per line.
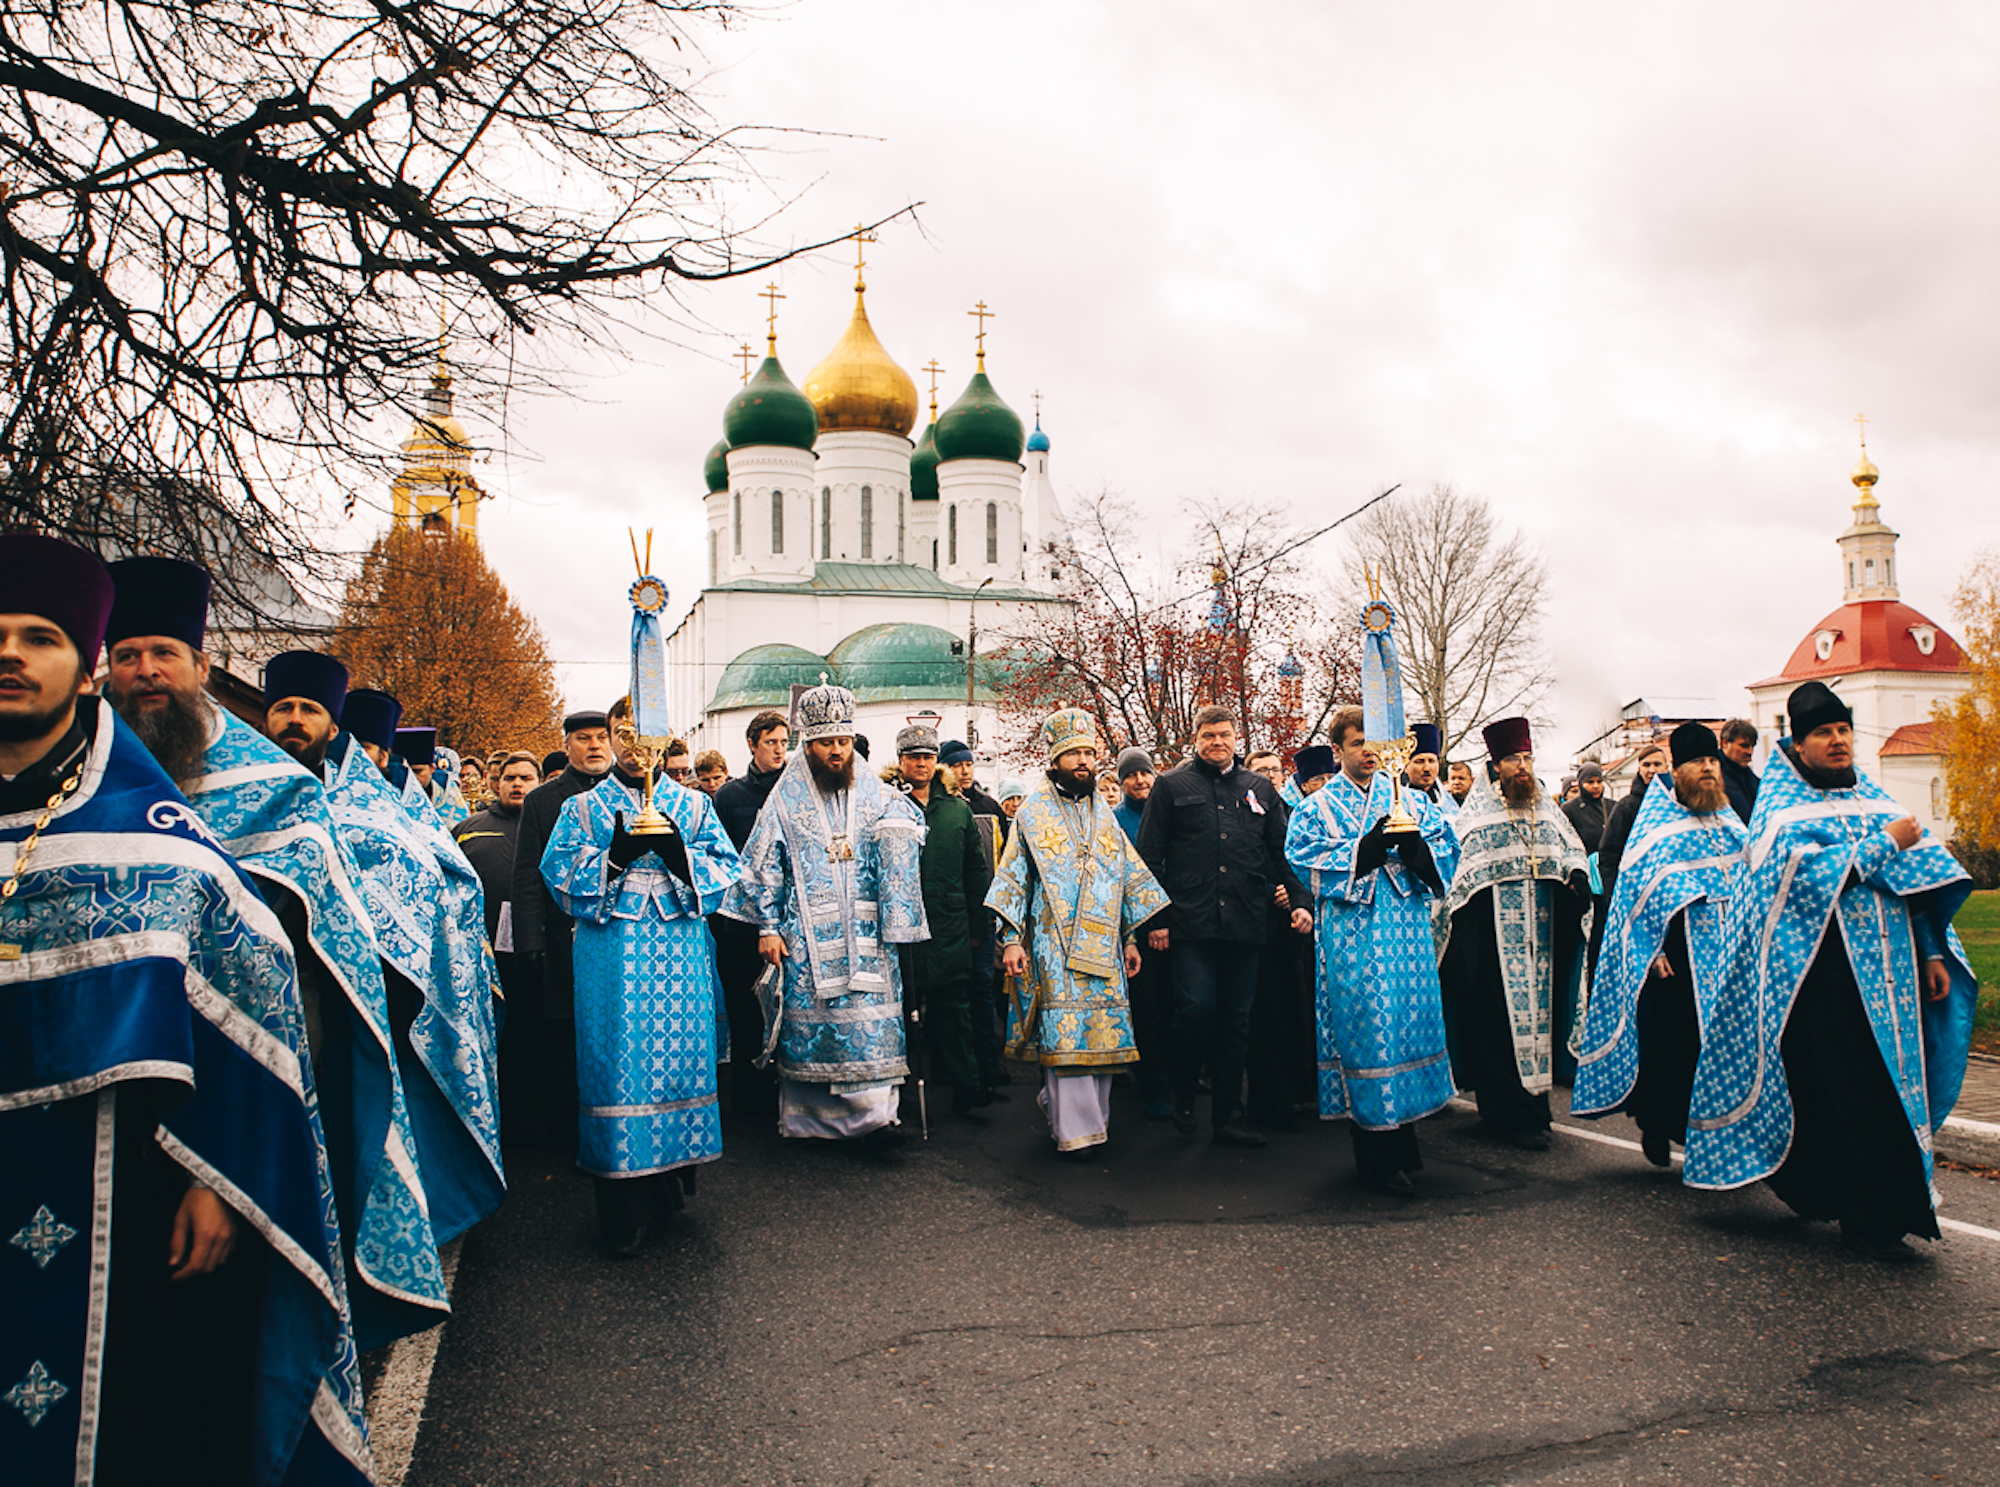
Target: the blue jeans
pixel 1215 985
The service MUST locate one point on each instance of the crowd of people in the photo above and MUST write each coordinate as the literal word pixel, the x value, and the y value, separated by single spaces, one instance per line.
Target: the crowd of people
pixel 278 992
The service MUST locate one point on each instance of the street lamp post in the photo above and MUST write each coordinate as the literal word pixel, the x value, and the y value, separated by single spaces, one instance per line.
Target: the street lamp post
pixel 971 659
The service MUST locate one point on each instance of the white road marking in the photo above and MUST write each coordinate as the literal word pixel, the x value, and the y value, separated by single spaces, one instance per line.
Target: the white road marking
pixel 1956 1226
pixel 397 1410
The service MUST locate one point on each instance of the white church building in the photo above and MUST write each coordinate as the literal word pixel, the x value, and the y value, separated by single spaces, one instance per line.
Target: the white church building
pixel 1885 660
pixel 837 547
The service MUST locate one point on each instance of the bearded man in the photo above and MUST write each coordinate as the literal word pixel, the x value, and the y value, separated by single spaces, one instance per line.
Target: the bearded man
pixel 271 814
pixel 1071 897
pixel 1836 1041
pixel 174 1299
pixel 1662 950
pixel 1514 942
pixel 832 880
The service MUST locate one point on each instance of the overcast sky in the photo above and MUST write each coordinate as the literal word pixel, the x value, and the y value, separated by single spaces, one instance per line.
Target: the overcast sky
pixel 1627 272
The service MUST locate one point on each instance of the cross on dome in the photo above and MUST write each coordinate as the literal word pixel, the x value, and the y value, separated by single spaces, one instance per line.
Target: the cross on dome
pixel 982 314
pixel 769 293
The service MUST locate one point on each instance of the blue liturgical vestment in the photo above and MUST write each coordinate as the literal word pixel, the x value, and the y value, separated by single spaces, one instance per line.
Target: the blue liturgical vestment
pixel 1378 1009
pixel 1677 862
pixel 270 813
pixel 146 974
pixel 1820 863
pixel 1071 888
pixel 838 878
pixel 450 1073
pixel 649 1015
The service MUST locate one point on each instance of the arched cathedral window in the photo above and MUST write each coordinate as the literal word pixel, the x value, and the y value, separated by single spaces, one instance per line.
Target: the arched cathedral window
pixel 867 521
pixel 777 521
pixel 992 532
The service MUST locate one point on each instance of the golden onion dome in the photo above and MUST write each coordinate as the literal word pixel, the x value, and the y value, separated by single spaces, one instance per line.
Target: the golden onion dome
pixel 858 385
pixel 1865 474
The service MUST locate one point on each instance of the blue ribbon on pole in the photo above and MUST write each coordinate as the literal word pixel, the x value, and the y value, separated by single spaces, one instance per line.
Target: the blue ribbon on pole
pixel 649 660
pixel 1381 675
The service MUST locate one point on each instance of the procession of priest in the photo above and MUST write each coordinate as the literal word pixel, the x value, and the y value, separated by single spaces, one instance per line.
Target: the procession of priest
pixel 277 993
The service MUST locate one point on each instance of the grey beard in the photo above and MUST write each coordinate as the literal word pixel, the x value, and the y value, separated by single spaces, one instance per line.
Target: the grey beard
pixel 177 734
pixel 831 779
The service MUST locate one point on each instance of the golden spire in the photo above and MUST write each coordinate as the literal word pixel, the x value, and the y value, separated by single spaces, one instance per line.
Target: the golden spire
pixel 746 356
pixel 1865 474
pixel 858 384
pixel 936 371
pixel 982 314
pixel 770 295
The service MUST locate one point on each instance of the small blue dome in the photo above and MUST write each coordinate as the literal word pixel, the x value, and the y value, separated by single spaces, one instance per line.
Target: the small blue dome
pixel 1038 442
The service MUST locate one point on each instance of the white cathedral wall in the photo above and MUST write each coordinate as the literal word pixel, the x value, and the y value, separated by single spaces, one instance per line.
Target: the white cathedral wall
pixel 968 486
pixel 849 461
pixel 754 473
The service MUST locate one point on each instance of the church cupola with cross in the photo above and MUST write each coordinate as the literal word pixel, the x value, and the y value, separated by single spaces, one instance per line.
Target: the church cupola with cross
pixel 1868 547
pixel 435 490
pixel 979 445
pixel 760 525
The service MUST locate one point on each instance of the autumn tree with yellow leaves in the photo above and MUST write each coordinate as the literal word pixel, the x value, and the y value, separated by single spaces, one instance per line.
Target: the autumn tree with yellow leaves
pixel 1971 721
pixel 427 620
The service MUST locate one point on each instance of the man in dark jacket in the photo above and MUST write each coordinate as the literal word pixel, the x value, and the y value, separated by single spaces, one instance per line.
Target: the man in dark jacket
pixel 1214 837
pixel 737 805
pixel 1590 810
pixel 1618 826
pixel 957 871
pixel 488 840
pixel 993 822
pixel 543 933
pixel 1739 780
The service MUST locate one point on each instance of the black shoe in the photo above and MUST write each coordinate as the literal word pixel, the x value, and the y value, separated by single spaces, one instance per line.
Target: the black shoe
pixel 1392 1185
pixel 965 1101
pixel 1530 1138
pixel 1184 1119
pixel 884 1138
pixel 1889 1249
pixel 996 1078
pixel 1235 1135
pixel 1658 1149
pixel 628 1248
pixel 1081 1154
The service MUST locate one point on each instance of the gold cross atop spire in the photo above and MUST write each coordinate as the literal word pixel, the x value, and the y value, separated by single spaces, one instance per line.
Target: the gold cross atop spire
pixel 936 371
pixel 771 296
pixel 1038 407
pixel 862 238
pixel 982 315
pixel 746 356
pixel 1861 422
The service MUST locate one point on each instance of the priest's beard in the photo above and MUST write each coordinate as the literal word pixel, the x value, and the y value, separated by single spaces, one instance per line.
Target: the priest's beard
pixel 302 746
pixel 177 733
pixel 1519 790
pixel 827 777
pixel 1703 797
pixel 1075 783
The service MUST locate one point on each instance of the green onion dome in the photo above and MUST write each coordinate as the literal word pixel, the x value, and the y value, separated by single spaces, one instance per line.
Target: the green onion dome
pixel 769 410
pixel 979 426
pixel 923 466
pixel 715 469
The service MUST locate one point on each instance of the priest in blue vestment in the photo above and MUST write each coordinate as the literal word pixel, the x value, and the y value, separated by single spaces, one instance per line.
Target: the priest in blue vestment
pixel 1838 1036
pixel 431 931
pixel 1663 950
pixel 831 879
pixel 1513 956
pixel 1071 895
pixel 1379 1014
pixel 269 812
pixel 649 1016
pixel 174 1304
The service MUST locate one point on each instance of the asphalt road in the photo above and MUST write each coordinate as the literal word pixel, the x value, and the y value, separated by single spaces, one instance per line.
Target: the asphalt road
pixel 1173 1312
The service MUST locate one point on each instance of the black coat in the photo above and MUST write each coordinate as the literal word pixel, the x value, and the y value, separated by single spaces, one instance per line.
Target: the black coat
pixel 1617 831
pixel 1217 856
pixel 1740 780
pixel 738 803
pixel 1589 817
pixel 487 840
pixel 540 926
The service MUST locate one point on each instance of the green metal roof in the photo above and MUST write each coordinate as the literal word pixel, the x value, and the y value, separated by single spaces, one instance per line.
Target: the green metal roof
pixel 923 466
pixel 770 410
pixel 900 663
pixel 874 578
pixel 979 426
pixel 763 675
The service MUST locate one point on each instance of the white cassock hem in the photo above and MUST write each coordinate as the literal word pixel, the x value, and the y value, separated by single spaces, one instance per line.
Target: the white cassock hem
pixel 815 1110
pixel 1078 1106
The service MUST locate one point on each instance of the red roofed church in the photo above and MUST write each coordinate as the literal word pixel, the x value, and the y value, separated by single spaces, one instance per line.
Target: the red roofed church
pixel 1887 661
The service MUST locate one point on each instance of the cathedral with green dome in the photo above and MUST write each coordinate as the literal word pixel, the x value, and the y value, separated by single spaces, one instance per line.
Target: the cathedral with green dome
pixel 839 547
